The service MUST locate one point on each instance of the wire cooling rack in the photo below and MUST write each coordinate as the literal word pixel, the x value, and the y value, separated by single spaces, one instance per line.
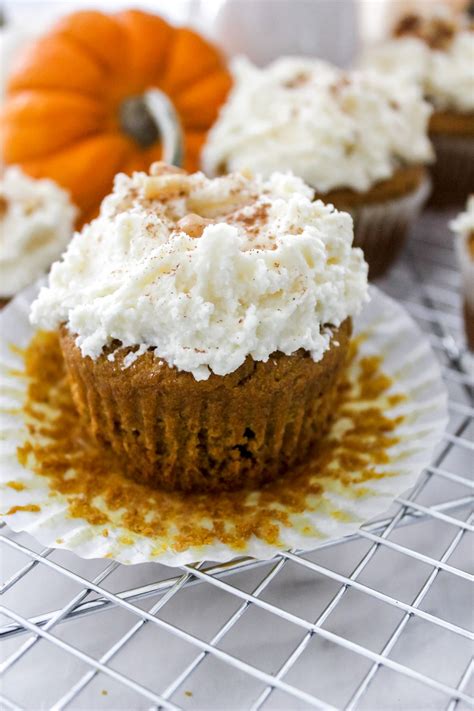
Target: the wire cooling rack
pixel 378 620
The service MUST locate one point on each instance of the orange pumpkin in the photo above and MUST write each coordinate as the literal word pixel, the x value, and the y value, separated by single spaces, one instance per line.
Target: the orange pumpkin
pixel 73 111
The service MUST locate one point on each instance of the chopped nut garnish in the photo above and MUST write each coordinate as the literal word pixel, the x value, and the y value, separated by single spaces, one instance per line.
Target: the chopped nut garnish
pixel 216 207
pixel 247 173
pixel 409 24
pixel 193 224
pixel 162 187
pixel 32 205
pixel 159 167
pixel 436 32
pixel 221 168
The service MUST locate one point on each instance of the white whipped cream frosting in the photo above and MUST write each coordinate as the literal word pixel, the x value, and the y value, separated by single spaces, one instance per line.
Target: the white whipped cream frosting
pixel 270 272
pixel 444 76
pixel 332 128
pixel 36 223
pixel 463 227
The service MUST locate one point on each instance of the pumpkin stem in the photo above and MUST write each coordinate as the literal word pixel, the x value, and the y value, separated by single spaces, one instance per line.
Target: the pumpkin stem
pixel 136 121
pixel 150 118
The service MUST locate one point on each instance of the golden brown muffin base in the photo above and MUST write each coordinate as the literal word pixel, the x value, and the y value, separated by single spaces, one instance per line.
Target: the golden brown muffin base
pixel 468 312
pixel 452 173
pixel 241 429
pixel 402 182
pixel 451 124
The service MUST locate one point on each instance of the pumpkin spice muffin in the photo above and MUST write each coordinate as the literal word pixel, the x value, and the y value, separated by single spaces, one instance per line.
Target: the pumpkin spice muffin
pixel 463 227
pixel 36 223
pixel 205 324
pixel 434 50
pixel 361 144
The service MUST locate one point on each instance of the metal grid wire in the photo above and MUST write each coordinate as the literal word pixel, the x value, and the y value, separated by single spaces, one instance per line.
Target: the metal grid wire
pixel 381 619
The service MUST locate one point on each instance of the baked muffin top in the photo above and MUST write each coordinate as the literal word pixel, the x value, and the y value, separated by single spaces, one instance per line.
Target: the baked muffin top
pixel 433 50
pixel 335 129
pixel 36 223
pixel 207 272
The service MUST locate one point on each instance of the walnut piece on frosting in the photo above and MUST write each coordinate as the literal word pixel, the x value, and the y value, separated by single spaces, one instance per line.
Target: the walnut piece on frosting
pixel 437 31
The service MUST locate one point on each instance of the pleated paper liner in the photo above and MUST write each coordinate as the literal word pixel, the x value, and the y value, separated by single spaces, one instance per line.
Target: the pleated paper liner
pixel 60 487
pixel 453 170
pixel 465 261
pixel 381 229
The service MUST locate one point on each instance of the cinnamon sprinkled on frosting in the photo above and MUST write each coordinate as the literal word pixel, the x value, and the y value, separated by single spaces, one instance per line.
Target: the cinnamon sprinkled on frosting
pixel 207 272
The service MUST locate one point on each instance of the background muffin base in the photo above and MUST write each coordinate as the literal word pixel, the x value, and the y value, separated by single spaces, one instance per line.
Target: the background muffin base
pixel 241 429
pixel 383 215
pixel 452 173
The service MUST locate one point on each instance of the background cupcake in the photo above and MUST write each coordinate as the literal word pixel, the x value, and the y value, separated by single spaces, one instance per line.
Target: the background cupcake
pixel 36 223
pixel 205 324
pixel 463 227
pixel 435 51
pixel 360 143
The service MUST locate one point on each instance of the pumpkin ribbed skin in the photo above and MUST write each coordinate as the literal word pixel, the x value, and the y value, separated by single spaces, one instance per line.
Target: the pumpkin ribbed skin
pixel 61 118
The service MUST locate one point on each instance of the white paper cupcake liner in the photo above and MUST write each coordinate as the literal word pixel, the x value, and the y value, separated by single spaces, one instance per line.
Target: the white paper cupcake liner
pixel 466 267
pixel 380 229
pixel 389 332
pixel 453 170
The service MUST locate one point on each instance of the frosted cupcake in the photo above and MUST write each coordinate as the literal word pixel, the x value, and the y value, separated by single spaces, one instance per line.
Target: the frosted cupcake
pixel 463 226
pixel 36 223
pixel 435 52
pixel 205 324
pixel 361 145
